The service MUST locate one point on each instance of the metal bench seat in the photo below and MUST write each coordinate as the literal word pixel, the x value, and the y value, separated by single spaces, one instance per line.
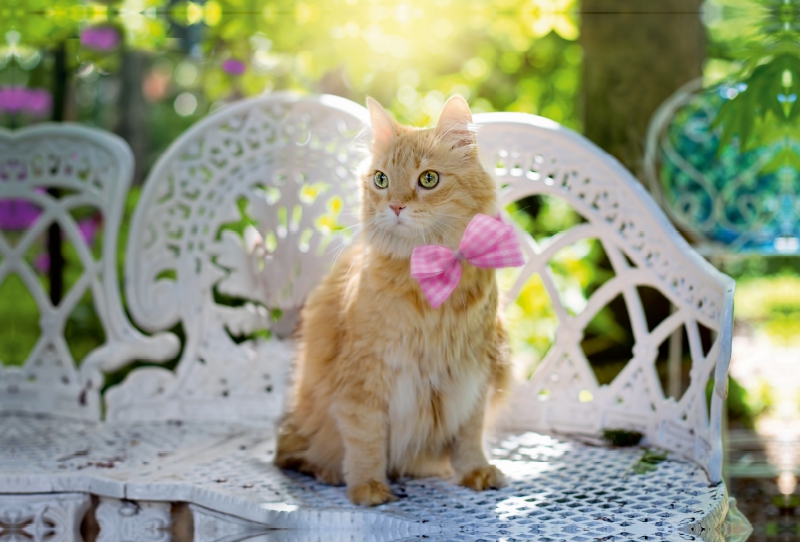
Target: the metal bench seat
pixel 558 489
pixel 202 289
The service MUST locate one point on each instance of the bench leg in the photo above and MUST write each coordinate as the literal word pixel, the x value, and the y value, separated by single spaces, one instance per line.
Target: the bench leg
pixel 55 517
pixel 128 521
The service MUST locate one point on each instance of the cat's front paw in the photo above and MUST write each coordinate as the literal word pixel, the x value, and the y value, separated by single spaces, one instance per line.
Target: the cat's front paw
pixel 482 478
pixel 371 493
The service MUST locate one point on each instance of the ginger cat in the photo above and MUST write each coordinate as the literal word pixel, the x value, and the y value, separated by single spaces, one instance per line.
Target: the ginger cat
pixel 385 385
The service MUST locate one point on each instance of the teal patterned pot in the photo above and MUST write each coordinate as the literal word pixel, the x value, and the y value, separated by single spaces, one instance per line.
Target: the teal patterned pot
pixel 726 201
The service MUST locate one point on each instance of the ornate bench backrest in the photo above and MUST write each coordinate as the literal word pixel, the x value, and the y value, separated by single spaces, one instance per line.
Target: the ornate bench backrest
pixel 279 165
pixel 283 166
pixel 86 169
pixel 534 156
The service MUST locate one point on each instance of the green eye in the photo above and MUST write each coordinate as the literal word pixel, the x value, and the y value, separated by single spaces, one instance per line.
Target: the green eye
pixel 381 180
pixel 428 179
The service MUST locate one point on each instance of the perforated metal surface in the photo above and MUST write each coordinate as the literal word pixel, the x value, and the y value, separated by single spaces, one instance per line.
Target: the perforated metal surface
pixel 557 488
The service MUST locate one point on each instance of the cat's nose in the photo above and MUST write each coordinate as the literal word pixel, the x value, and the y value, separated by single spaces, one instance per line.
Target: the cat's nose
pixel 396 207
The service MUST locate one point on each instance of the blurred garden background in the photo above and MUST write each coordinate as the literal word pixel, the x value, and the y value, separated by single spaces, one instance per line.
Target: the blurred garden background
pixel 724 159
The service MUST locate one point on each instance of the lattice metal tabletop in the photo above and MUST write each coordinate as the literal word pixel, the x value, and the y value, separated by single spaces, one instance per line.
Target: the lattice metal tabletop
pixel 557 489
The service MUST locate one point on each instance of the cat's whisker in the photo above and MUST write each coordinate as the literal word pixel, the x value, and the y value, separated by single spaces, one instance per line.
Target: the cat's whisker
pixel 429 229
pixel 443 237
pixel 521 209
pixel 438 213
pixel 361 227
pixel 440 137
pixel 353 226
pixel 443 228
pixel 339 251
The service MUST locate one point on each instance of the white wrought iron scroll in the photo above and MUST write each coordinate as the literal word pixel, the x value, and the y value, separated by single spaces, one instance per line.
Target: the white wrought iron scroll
pixel 238 221
pixel 52 518
pixel 532 155
pixel 88 168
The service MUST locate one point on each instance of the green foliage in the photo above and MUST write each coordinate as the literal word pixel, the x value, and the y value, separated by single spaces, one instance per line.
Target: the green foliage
pixel 41 23
pixel 746 30
pixel 772 304
pixel 763 106
pixel 649 461
pixel 744 405
pixel 576 271
pixel 19 320
pixel 83 329
pixel 408 55
pixel 766 108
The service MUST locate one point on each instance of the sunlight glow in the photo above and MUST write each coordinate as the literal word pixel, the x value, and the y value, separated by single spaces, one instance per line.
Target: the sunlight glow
pixel 185 104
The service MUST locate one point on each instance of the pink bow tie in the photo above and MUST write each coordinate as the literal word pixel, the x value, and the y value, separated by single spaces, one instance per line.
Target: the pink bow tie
pixel 487 242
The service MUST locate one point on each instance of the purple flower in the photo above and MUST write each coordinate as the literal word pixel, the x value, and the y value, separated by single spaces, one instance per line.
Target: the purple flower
pixel 100 38
pixel 39 102
pixel 42 262
pixel 234 66
pixel 88 229
pixel 20 214
pixel 17 214
pixel 35 101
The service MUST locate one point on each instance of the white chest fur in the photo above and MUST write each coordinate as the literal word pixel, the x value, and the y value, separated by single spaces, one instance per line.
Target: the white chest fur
pixel 428 403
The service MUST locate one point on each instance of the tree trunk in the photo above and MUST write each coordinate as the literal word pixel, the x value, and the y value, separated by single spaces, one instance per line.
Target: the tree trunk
pixel 636 54
pixel 132 126
pixel 54 249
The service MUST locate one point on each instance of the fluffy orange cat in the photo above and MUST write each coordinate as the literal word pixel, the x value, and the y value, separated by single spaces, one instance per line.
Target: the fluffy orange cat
pixel 385 385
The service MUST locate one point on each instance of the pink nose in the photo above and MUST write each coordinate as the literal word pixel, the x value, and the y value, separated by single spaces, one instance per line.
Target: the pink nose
pixel 397 208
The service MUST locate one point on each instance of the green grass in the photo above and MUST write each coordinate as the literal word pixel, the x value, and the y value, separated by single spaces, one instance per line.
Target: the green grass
pixel 19 321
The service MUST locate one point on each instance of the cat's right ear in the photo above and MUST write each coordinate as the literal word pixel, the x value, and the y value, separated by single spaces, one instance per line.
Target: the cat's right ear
pixel 383 127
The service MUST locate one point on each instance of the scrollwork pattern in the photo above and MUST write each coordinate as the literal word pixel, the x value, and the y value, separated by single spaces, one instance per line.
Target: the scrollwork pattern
pixel 531 156
pixel 82 167
pixel 276 172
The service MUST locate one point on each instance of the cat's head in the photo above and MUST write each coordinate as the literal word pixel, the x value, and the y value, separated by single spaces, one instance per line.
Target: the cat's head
pixel 423 186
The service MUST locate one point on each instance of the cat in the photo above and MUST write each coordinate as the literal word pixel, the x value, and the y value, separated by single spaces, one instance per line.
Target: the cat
pixel 386 386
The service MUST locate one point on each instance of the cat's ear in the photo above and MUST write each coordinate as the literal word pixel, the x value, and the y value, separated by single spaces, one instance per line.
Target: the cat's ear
pixel 455 121
pixel 383 127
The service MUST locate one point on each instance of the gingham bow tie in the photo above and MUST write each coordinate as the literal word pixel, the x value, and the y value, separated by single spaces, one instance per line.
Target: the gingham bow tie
pixel 487 242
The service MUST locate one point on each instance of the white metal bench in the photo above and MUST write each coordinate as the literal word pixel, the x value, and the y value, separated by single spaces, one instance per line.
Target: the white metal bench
pixel 203 433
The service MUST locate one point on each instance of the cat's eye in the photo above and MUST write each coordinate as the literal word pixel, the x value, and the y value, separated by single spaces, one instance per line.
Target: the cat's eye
pixel 381 180
pixel 428 179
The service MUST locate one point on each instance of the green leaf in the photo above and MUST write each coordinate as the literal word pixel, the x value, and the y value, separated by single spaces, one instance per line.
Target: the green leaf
pixel 649 461
pixel 746 120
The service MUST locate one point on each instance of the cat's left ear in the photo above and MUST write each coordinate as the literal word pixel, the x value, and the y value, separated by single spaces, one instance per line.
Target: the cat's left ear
pixel 454 123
